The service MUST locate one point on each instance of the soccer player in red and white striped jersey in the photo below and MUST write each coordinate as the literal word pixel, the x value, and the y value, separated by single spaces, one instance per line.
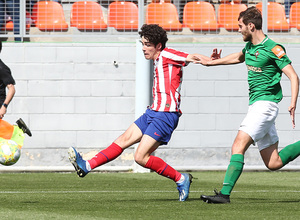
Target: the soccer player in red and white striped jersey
pixel 156 125
pixel 167 80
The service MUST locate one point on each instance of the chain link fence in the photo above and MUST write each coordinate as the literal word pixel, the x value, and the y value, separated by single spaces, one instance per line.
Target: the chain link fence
pixel 73 20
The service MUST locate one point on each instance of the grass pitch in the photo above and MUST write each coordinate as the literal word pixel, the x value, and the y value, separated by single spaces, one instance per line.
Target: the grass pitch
pixel 257 195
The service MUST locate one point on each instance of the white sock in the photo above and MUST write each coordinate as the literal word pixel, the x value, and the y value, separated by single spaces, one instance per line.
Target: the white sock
pixel 88 166
pixel 181 179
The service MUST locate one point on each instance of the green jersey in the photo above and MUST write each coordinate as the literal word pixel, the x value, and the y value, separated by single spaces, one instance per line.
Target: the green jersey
pixel 264 63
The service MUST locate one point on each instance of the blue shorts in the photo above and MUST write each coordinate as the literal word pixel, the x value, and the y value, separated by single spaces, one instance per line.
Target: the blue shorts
pixel 158 125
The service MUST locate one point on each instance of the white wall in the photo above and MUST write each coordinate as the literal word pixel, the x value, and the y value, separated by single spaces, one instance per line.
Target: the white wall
pixel 71 94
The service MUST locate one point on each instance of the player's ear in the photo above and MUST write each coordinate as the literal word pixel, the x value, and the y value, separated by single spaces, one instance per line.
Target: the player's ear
pixel 159 46
pixel 251 26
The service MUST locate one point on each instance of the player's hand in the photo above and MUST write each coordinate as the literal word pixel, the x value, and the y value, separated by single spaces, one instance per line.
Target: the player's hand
pixel 215 55
pixel 2 112
pixel 292 114
pixel 196 58
pixel 205 62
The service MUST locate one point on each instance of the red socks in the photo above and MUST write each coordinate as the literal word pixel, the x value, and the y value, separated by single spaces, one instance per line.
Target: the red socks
pixel 154 163
pixel 106 155
pixel 162 168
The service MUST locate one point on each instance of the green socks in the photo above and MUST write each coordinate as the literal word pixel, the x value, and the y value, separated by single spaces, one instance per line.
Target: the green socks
pixel 289 153
pixel 18 136
pixel 235 167
pixel 233 172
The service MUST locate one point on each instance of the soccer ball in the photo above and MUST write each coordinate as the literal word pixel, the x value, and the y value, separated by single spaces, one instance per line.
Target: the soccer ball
pixel 10 152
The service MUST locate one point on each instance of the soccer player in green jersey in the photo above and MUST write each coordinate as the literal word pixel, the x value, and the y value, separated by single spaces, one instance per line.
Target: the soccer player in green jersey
pixel 265 60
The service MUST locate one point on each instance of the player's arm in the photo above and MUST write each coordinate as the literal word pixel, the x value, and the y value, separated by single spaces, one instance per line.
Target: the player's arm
pixel 233 58
pixel 196 58
pixel 9 96
pixel 292 75
pixel 200 58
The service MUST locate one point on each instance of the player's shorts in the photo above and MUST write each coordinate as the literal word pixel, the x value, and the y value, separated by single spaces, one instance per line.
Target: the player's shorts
pixel 158 125
pixel 259 123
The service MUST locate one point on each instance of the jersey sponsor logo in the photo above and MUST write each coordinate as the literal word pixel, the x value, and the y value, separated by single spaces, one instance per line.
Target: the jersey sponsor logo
pixel 254 69
pixel 278 51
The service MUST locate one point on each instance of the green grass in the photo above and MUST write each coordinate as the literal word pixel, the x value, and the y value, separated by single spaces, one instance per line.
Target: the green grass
pixel 257 195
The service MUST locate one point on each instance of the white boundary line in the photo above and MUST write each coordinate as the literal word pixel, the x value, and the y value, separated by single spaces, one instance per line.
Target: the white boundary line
pixel 136 191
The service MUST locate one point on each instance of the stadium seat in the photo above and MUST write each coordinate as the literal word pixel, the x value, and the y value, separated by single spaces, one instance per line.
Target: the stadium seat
pixel 87 15
pixel 228 14
pixel 49 16
pixel 276 17
pixel 295 15
pixel 158 1
pixel 123 16
pixel 163 14
pixel 200 16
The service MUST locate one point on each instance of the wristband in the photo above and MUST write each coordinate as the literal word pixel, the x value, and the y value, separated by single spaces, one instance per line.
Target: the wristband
pixel 5 105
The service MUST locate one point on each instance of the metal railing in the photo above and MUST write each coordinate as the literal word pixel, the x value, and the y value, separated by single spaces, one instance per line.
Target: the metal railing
pixel 73 20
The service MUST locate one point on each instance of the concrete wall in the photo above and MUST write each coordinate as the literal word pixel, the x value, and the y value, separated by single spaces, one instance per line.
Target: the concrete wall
pixel 71 94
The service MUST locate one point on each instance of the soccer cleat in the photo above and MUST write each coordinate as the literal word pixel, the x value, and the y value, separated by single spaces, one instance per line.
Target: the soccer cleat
pixel 21 124
pixel 184 187
pixel 78 163
pixel 219 198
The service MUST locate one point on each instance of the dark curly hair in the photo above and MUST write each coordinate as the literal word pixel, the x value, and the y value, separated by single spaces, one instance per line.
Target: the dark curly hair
pixel 154 34
pixel 252 15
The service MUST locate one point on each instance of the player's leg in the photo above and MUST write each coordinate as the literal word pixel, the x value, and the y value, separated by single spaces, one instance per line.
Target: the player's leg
pixel 271 157
pixel 144 158
pixel 234 170
pixel 289 153
pixel 14 132
pixel 256 127
pixel 274 160
pixel 18 136
pixel 131 136
pixel 235 167
pixel 21 124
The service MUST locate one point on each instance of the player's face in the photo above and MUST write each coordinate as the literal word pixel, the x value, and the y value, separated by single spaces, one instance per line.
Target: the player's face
pixel 149 49
pixel 245 31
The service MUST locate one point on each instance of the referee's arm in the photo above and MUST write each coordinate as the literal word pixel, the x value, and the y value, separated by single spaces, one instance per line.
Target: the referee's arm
pixel 9 96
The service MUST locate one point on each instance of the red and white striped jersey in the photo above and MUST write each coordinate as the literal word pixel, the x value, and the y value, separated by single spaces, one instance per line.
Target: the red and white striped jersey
pixel 167 80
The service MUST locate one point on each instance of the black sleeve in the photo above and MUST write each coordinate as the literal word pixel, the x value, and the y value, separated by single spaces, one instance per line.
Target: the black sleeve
pixel 5 74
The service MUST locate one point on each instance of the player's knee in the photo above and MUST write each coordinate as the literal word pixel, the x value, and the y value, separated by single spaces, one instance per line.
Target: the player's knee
pixel 274 166
pixel 139 159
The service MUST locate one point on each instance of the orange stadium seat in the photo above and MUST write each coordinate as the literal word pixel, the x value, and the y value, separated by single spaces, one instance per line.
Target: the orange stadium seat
pixel 295 15
pixel 87 15
pixel 123 16
pixel 228 14
pixel 49 16
pixel 276 17
pixel 200 16
pixel 163 14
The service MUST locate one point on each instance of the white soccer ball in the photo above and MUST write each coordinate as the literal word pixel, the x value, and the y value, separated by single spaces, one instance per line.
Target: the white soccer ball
pixel 10 152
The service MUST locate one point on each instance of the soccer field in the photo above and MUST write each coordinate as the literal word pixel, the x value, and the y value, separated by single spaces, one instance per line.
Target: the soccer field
pixel 257 195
